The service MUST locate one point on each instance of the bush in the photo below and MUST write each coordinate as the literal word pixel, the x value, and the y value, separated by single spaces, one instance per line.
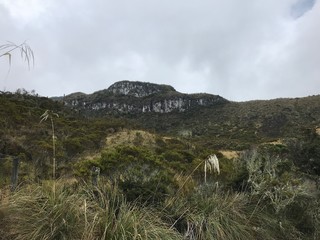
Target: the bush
pixel 274 183
pixel 151 189
pixel 172 156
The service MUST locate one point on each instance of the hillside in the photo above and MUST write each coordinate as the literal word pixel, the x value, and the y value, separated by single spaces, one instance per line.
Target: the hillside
pixel 233 124
pixel 121 171
pixel 215 124
pixel 229 124
pixel 209 121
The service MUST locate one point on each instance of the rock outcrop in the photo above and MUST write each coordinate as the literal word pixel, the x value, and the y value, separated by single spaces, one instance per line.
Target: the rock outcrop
pixel 139 97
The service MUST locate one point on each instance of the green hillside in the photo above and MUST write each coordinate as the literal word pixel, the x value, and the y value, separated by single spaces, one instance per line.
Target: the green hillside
pixel 148 176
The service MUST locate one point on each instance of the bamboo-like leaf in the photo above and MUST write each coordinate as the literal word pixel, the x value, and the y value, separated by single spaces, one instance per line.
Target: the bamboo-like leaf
pixel 9 56
pixel 44 116
pixel 25 52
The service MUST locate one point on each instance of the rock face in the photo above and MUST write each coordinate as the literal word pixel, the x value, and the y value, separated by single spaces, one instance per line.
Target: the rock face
pixel 139 97
pixel 138 89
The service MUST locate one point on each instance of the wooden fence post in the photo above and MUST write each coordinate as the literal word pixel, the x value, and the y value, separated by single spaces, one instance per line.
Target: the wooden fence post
pixel 14 176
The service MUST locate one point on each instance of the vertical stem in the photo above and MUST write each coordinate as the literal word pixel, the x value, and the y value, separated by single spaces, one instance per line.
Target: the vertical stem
pixel 14 177
pixel 205 171
pixel 54 158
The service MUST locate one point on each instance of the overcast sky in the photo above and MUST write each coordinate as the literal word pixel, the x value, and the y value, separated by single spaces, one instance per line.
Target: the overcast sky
pixel 241 50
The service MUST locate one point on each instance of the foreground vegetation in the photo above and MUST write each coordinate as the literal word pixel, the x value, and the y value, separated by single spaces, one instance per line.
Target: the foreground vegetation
pixel 148 186
pixel 265 199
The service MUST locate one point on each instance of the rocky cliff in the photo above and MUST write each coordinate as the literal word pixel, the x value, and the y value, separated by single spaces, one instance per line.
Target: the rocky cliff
pixel 139 97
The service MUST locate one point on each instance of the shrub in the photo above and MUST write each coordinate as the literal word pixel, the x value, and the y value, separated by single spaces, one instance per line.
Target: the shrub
pixel 274 183
pixel 151 189
pixel 172 156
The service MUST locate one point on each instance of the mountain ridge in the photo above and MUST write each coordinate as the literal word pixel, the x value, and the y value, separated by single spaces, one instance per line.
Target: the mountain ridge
pixel 139 97
pixel 201 116
pixel 172 89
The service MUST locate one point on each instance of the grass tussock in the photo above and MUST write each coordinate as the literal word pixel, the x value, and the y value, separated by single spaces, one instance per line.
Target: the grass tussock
pixel 78 213
pixel 210 214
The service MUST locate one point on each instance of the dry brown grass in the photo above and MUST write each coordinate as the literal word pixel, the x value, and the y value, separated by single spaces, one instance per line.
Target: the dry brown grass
pixel 130 137
pixel 230 154
pixel 4 193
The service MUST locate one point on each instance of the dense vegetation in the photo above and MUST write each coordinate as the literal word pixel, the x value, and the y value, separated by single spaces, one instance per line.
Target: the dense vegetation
pixel 150 183
pixel 239 125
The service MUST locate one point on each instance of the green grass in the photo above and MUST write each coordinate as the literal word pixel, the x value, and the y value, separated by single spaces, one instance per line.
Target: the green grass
pixel 80 211
pixel 75 212
pixel 41 214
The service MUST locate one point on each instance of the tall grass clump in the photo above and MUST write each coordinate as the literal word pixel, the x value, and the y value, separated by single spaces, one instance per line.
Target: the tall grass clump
pixel 210 213
pixel 36 212
pixel 112 217
pixel 79 212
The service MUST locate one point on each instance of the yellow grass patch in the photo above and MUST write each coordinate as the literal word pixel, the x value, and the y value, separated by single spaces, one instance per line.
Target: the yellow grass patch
pixel 131 137
pixel 276 142
pixel 230 154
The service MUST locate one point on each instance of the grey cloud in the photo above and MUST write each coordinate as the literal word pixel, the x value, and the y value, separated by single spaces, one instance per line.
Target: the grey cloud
pixel 301 7
pixel 238 49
